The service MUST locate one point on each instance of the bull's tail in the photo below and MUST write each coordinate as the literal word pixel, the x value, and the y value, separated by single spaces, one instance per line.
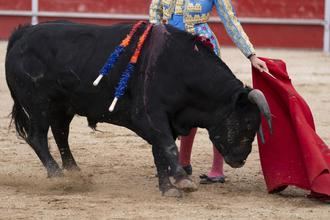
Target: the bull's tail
pixel 20 118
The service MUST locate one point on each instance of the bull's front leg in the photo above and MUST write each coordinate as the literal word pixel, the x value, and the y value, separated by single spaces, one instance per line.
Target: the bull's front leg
pixel 168 156
pixel 165 153
pixel 182 181
pixel 165 185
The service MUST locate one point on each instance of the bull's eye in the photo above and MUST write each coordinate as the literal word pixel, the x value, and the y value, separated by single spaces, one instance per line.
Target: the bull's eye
pixel 244 141
pixel 248 125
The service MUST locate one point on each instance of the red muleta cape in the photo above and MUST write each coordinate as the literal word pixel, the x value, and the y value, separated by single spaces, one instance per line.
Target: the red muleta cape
pixel 294 154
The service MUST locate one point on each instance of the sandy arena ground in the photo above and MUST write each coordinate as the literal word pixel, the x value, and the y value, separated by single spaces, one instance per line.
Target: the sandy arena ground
pixel 118 176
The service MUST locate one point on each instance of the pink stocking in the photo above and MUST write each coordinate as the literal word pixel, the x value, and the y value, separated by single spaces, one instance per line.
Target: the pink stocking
pixel 186 146
pixel 217 165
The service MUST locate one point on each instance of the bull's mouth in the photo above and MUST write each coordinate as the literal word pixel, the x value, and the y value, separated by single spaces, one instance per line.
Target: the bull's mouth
pixel 231 162
pixel 234 164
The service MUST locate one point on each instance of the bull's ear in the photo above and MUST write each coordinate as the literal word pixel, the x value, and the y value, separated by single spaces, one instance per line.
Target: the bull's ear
pixel 241 99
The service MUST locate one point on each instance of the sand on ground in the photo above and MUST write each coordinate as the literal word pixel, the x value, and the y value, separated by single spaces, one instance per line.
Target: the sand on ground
pixel 118 181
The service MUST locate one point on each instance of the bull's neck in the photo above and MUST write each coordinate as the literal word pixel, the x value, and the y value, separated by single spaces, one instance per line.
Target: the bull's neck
pixel 210 89
pixel 211 79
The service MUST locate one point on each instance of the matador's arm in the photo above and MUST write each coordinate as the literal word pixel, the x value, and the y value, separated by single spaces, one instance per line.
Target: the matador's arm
pixel 233 27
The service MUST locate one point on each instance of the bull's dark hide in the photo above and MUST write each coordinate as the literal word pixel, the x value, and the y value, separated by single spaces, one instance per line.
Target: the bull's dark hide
pixel 178 84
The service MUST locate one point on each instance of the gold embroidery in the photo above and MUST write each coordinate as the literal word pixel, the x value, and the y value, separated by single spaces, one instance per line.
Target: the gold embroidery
pixel 168 8
pixel 197 19
pixel 167 12
pixel 167 2
pixel 179 7
pixel 194 8
pixel 178 11
pixel 234 27
pixel 162 10
pixel 156 12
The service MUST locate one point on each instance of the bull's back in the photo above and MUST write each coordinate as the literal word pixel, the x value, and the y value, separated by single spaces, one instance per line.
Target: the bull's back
pixel 59 61
pixel 50 51
pixel 65 44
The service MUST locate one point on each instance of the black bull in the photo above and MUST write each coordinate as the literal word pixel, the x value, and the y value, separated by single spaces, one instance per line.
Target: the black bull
pixel 178 84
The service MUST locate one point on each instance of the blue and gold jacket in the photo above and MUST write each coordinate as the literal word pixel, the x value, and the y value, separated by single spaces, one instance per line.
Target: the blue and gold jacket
pixel 197 12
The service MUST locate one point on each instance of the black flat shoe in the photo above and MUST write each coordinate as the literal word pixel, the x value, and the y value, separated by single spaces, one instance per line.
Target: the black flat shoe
pixel 205 179
pixel 319 197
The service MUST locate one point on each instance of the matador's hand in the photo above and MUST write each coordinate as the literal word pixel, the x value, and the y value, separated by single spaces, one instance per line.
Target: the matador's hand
pixel 258 64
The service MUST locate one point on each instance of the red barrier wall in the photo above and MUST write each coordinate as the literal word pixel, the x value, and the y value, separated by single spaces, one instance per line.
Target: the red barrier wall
pixel 280 8
pixel 261 35
pixel 15 5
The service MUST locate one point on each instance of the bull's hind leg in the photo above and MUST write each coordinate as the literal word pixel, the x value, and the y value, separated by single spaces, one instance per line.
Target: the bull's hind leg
pixel 37 138
pixel 60 125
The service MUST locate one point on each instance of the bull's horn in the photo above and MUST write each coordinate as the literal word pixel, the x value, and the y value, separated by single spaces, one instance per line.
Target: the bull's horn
pixel 261 135
pixel 257 97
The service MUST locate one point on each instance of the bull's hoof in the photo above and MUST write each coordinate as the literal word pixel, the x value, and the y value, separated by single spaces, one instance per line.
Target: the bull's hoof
pixel 173 192
pixel 70 165
pixel 186 184
pixel 56 173
pixel 188 169
pixel 73 168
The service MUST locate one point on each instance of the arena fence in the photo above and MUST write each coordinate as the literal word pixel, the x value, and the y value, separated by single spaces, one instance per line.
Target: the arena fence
pixel 37 15
pixel 326 40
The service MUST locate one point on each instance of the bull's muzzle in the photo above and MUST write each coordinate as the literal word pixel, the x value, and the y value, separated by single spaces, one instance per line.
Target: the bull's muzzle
pixel 234 163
